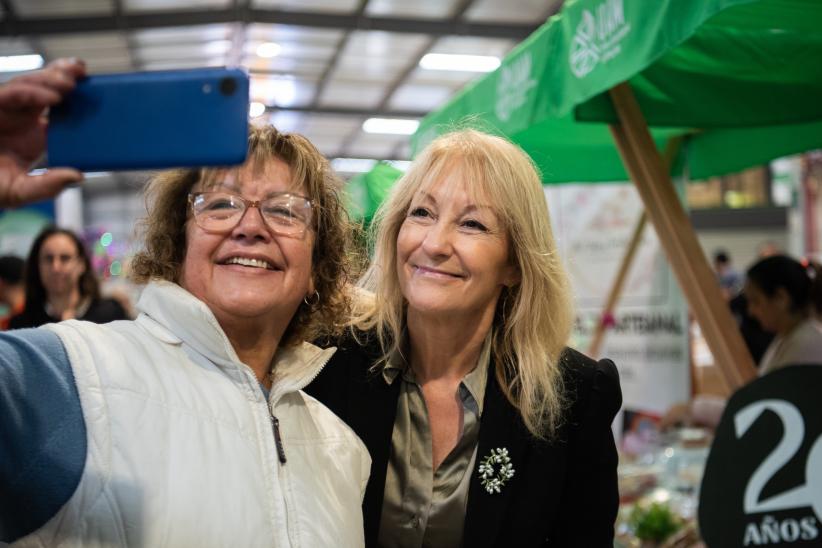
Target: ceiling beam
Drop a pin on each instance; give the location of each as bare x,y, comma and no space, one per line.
457,13
9,17
322,83
119,10
235,53
27,26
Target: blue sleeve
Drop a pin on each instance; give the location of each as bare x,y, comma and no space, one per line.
42,432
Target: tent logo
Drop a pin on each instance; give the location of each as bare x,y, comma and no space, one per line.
513,85
598,36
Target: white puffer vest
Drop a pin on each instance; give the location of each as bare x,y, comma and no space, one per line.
181,446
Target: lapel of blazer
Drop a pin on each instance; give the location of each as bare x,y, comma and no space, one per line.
500,427
372,407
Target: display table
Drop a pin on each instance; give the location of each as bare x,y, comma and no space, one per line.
659,490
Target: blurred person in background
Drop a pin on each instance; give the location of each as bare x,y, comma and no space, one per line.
12,289
785,296
61,284
730,280
756,338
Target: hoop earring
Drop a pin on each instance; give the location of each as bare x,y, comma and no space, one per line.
315,301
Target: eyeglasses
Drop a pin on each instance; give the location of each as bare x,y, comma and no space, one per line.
284,213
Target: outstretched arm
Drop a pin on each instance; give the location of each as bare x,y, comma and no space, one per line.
23,104
42,431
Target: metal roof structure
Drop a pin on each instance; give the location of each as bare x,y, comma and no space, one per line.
336,63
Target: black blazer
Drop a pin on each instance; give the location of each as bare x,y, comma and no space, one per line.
563,493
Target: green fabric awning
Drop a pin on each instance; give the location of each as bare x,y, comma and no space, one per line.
741,79
366,191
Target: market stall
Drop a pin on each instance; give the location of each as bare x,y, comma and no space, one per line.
737,81
603,88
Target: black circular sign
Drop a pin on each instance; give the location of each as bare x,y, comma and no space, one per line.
763,478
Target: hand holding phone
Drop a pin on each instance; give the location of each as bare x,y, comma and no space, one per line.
23,101
152,120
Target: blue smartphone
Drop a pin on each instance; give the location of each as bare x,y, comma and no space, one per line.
152,120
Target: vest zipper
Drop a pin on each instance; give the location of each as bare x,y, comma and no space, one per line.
275,423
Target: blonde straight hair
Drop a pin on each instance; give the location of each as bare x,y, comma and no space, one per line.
533,319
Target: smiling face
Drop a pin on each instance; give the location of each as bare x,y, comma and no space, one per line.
452,252
250,273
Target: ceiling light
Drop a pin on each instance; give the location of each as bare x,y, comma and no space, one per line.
218,47
402,165
17,63
255,109
391,126
280,91
287,121
352,165
86,175
466,63
268,49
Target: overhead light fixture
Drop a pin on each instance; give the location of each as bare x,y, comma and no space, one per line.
218,47
402,165
352,165
465,63
18,63
86,174
287,121
268,49
255,108
390,126
279,90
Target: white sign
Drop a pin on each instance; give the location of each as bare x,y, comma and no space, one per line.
648,340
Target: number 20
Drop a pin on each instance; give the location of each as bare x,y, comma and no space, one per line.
809,494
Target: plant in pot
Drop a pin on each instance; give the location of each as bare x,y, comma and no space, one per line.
653,523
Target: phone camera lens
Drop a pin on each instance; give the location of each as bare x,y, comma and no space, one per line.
228,86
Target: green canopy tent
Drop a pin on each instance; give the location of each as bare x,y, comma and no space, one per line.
738,81
366,191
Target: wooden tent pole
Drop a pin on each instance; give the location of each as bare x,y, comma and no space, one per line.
671,150
616,288
678,239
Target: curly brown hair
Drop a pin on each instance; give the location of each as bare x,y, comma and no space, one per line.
334,259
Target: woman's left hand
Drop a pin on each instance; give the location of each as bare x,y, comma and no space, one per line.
23,103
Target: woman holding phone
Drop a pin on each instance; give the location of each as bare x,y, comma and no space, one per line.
188,425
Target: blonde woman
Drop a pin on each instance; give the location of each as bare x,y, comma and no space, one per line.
484,429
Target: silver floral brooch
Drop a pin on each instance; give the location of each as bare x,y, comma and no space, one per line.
495,470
